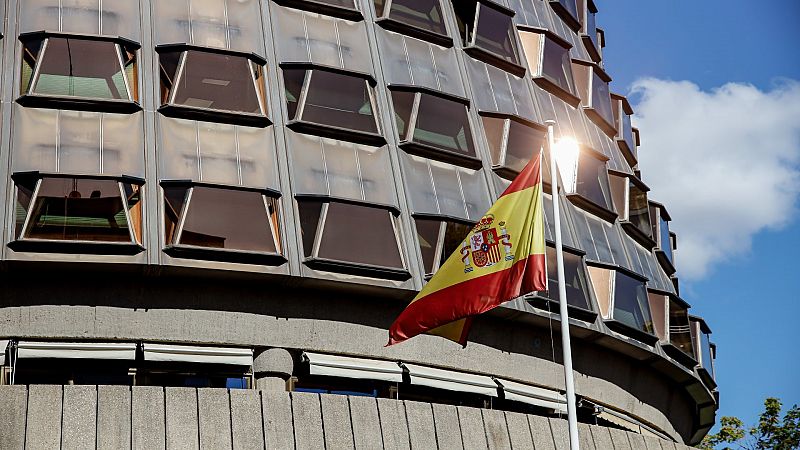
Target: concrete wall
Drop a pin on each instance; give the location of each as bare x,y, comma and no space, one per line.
118,417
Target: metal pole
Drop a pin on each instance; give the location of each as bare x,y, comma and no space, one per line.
572,418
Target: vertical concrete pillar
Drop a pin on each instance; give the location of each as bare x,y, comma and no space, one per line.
272,368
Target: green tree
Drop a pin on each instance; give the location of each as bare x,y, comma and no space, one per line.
771,433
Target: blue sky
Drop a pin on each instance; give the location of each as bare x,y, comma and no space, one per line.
726,66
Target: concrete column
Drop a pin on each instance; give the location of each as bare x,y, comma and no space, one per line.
272,368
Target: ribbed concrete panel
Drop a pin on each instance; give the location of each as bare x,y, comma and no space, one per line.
181,418
652,443
113,417
214,412
494,422
147,418
518,430
43,427
636,440
420,424
246,423
560,431
620,439
472,431
79,418
448,431
668,445
336,422
585,437
366,424
601,437
277,413
13,403
540,431
393,424
308,431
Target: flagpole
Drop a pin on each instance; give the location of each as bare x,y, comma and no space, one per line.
562,297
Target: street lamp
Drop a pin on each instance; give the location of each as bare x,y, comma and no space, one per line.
565,151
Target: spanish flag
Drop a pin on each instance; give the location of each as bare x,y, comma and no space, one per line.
502,257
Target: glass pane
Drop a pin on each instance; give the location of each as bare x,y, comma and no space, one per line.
428,236
592,180
679,332
339,100
631,305
638,209
24,195
706,350
601,98
571,7
370,229
174,199
234,220
577,286
454,235
443,124
133,197
403,102
217,81
424,14
465,18
523,143
309,211
494,129
80,68
495,34
79,209
666,245
556,65
293,85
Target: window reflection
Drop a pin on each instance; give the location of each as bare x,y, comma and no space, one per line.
576,284
420,14
679,329
488,28
631,305
512,142
438,239
638,209
592,180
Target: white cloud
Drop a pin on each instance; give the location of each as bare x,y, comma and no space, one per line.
726,163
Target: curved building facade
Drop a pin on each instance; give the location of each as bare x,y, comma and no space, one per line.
244,194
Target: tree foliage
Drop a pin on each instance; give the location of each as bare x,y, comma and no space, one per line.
771,433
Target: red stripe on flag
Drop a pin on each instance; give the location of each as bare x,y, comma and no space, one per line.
530,176
469,298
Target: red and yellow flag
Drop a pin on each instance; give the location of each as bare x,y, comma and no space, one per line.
502,257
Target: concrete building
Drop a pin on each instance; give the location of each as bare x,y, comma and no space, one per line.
209,203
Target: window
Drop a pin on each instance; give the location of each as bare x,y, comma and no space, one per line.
487,30
332,230
550,63
331,103
91,214
212,85
637,223
434,124
568,11
438,239
587,11
513,141
207,222
623,302
586,182
622,115
663,237
592,85
577,285
79,72
679,345
701,336
422,19
345,9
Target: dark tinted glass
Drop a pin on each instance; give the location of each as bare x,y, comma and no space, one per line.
339,100
705,348
638,209
79,68
174,199
574,277
221,218
79,209
359,234
424,14
556,65
216,81
571,6
666,242
592,180
428,236
601,99
679,331
310,211
591,27
443,124
631,305
465,17
627,131
24,195
293,86
349,4
403,102
495,34
523,143
454,234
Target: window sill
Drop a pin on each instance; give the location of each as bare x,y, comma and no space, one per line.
638,235
708,380
365,270
419,33
214,115
554,89
631,332
333,132
679,355
591,48
587,205
608,128
575,312
323,8
628,152
224,255
76,247
495,60
79,104
666,264
565,15
428,151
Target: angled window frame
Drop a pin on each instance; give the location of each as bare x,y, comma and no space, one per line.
605,212
624,138
639,235
444,220
173,247
587,95
473,49
659,217
176,110
548,301
701,334
540,78
563,8
28,98
409,145
500,166
314,261
325,8
34,179
332,131
677,306
386,21
588,32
